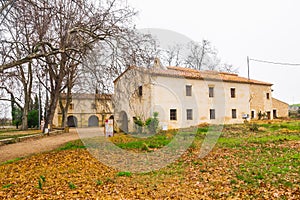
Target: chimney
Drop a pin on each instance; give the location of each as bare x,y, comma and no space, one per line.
157,64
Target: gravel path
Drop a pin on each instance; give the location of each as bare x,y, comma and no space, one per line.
33,146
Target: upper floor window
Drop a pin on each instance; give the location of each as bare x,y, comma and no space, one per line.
71,106
232,92
211,92
188,89
140,91
93,106
173,114
189,114
268,95
212,114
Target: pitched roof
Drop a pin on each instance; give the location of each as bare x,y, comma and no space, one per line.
214,75
188,73
274,99
87,96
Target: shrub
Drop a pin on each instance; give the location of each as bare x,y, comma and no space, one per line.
152,123
253,127
33,118
139,124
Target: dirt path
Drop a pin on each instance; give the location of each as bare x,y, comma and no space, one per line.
28,147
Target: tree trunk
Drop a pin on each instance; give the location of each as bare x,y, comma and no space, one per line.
64,113
24,125
51,109
27,86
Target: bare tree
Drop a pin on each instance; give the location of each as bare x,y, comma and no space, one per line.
79,27
200,55
18,43
105,63
228,68
172,55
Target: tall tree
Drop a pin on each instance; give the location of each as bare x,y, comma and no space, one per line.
18,43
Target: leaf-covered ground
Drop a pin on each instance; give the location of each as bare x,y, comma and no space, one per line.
262,164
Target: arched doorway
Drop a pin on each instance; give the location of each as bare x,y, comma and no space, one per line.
93,121
123,122
72,121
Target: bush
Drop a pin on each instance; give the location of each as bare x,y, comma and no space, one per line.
253,127
33,118
139,124
152,123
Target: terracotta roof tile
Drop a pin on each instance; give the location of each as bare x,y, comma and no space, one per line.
205,75
188,73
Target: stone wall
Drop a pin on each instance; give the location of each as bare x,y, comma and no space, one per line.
259,100
282,108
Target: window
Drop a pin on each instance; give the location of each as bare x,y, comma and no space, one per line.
93,106
232,92
189,114
211,92
140,91
212,114
188,89
252,114
233,112
173,114
268,95
71,106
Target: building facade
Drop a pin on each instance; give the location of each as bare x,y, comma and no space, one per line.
186,97
85,110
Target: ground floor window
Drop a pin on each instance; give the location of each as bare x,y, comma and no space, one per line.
212,114
173,114
189,114
233,112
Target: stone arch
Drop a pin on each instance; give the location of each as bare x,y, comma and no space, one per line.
72,121
93,121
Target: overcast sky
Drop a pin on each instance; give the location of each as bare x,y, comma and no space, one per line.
261,29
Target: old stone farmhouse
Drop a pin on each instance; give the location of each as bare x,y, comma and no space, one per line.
86,110
183,97
186,97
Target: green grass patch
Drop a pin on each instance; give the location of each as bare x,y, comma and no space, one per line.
14,136
273,138
128,174
202,130
76,144
7,186
99,182
72,185
292,125
8,130
156,141
273,165
11,161
244,142
230,142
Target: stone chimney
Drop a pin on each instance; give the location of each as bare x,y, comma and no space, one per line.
157,64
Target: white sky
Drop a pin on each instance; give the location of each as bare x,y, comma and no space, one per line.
261,29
